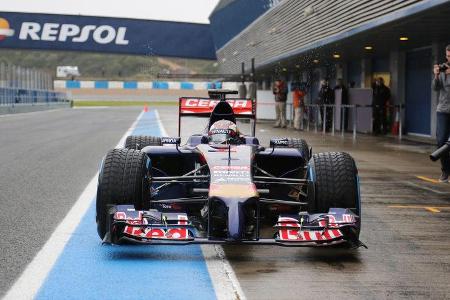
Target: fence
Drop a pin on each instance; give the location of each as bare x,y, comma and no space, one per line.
15,96
12,76
342,118
19,85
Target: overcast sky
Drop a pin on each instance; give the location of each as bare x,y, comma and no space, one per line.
169,10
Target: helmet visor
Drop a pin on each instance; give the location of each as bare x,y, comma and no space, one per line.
219,138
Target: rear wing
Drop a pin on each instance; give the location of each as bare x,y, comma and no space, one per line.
203,107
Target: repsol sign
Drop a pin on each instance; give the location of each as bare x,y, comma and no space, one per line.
103,34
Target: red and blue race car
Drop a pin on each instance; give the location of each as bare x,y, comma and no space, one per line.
223,187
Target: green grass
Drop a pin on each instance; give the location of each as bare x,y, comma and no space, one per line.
81,103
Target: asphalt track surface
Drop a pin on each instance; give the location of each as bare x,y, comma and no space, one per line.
48,158
46,161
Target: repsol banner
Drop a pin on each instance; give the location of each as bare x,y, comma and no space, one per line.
99,34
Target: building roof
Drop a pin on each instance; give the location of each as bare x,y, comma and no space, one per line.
286,33
222,4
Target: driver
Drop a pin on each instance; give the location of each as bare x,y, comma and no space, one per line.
223,132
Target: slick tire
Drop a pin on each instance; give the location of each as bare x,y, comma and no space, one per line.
139,142
333,182
301,145
124,179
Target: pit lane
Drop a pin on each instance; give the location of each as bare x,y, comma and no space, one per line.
408,255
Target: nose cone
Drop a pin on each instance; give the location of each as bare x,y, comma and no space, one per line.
235,220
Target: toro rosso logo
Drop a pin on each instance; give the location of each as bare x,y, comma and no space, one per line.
5,30
50,32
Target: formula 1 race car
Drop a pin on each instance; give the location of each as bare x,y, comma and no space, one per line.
223,187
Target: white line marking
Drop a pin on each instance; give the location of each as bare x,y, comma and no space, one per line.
223,278
161,127
32,278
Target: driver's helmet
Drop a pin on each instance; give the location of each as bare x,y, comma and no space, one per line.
223,132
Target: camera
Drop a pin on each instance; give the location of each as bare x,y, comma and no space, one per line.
443,67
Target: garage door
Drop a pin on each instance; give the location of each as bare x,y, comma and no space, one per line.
418,92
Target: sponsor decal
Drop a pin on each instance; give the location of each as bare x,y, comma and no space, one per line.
222,149
231,168
231,174
279,142
292,231
157,233
221,131
347,218
133,218
160,233
171,140
230,189
5,30
203,106
59,32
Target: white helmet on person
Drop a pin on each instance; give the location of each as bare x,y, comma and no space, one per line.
223,132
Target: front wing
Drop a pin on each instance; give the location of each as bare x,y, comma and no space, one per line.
153,227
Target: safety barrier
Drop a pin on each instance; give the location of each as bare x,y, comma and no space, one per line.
317,116
157,85
16,96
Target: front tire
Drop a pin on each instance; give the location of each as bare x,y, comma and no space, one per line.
334,182
124,179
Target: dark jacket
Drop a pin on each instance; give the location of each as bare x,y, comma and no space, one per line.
326,95
381,94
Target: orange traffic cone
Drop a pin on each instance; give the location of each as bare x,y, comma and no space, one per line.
145,107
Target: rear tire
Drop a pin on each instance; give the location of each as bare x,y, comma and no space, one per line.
301,145
139,142
334,182
124,179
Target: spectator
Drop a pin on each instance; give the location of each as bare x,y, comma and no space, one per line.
298,97
381,97
280,92
441,84
326,97
344,99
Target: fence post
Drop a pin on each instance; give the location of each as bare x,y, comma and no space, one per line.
355,116
309,117
332,120
400,123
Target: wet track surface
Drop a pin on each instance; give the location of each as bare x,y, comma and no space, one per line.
408,253
47,159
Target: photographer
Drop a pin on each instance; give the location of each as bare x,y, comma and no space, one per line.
441,84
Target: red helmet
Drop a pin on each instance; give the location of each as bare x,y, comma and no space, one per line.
223,132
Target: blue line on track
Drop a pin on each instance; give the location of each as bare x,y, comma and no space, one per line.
87,269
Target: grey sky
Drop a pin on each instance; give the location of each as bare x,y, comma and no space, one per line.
170,10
